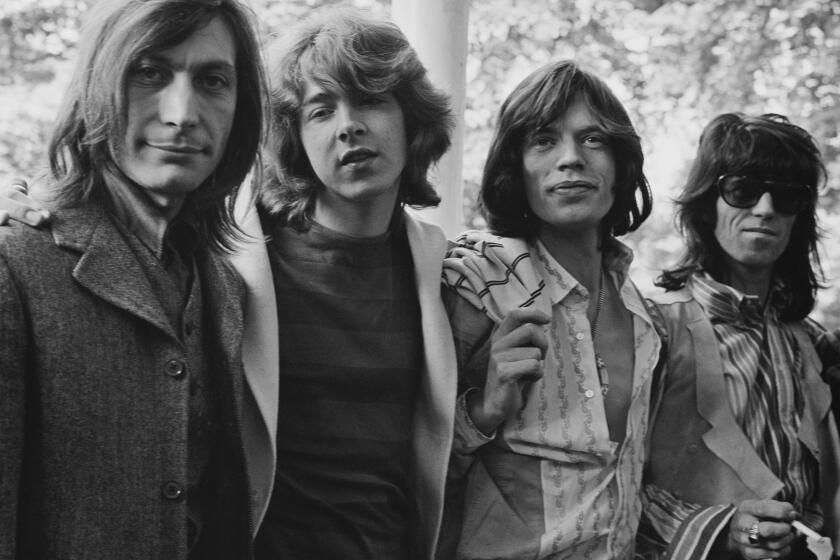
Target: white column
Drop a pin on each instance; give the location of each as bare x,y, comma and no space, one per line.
437,29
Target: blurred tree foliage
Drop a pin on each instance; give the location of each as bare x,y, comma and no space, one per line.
674,63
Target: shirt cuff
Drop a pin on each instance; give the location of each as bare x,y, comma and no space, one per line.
697,535
468,437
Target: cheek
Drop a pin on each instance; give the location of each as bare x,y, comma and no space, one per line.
530,178
224,112
309,142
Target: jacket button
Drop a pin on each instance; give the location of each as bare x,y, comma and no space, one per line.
692,449
175,368
172,490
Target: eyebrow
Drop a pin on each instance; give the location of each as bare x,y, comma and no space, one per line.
204,65
319,97
551,128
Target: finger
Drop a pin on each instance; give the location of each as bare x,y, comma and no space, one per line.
774,531
23,211
19,184
525,335
521,316
516,368
770,510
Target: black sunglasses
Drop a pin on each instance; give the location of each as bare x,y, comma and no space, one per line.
743,191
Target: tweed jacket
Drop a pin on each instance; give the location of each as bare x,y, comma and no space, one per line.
435,410
698,451
93,425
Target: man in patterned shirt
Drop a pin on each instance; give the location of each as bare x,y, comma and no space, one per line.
743,444
556,348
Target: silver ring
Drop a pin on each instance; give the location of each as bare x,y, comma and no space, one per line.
753,535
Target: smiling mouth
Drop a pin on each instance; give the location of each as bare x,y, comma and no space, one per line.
356,156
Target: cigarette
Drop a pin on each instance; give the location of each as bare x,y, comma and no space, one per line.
807,531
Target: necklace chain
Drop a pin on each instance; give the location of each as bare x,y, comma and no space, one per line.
602,296
601,366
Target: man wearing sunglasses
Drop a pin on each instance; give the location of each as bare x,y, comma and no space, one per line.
742,445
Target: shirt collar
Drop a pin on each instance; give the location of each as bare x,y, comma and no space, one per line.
559,283
725,304
137,217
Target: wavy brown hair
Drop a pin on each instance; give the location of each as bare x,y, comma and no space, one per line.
348,50
767,146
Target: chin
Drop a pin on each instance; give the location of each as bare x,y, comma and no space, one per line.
177,185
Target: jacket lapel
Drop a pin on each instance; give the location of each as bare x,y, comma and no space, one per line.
814,390
435,410
260,353
108,267
725,439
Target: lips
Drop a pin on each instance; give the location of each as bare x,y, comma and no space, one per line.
176,148
760,230
356,155
569,185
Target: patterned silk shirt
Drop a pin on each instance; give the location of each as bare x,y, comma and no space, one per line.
550,483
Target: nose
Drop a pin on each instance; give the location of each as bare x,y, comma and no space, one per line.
764,206
179,104
568,155
350,123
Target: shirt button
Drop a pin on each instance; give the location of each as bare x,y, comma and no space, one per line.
692,449
172,490
175,368
580,336
589,393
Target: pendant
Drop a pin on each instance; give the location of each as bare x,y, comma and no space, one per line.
603,375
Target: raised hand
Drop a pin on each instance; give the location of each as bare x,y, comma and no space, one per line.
518,346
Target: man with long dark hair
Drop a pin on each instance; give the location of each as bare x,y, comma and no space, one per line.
556,347
742,441
121,388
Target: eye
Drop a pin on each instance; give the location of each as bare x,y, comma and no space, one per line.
215,82
542,141
319,113
594,140
148,74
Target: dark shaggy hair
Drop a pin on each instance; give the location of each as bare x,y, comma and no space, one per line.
91,126
541,98
766,146
347,50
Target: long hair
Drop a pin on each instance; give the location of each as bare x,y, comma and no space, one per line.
350,51
91,126
538,100
767,146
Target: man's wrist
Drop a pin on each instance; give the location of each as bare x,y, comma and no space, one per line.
474,404
467,435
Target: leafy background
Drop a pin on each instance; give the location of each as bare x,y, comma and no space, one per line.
674,63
